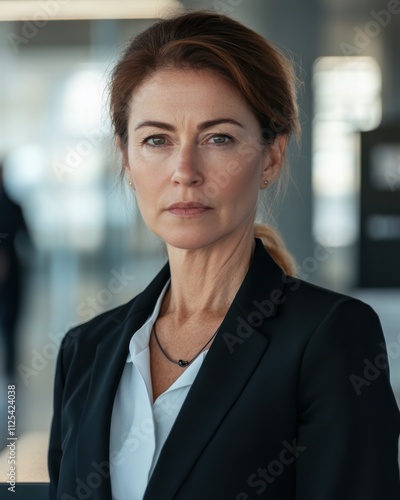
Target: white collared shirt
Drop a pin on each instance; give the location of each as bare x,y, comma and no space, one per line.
140,427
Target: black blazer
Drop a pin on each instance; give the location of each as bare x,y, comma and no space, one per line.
292,402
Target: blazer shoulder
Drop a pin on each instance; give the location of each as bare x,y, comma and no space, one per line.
110,324
91,332
308,289
319,302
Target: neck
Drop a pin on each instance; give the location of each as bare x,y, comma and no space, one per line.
206,280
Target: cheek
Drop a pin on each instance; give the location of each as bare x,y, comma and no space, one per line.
145,187
246,162
141,172
147,192
245,180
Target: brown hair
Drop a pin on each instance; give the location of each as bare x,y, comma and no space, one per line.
250,63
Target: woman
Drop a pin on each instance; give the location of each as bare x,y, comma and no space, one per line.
226,378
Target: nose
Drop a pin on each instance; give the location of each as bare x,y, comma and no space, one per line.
187,169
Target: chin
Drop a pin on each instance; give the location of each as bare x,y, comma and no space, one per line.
190,239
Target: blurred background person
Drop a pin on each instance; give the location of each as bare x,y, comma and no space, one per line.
12,222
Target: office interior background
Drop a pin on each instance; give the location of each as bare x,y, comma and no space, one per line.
86,249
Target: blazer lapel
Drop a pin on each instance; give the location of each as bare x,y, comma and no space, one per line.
233,357
92,451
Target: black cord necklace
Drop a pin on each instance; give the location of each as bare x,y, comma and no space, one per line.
181,362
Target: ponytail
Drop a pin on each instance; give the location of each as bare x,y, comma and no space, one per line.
273,242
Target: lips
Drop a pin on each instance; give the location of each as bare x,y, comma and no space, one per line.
188,209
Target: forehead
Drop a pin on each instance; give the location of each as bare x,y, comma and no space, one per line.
187,90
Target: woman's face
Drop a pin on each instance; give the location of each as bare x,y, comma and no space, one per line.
194,158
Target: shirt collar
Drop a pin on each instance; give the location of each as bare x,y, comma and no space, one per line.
140,340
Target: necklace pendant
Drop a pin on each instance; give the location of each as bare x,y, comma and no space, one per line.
183,363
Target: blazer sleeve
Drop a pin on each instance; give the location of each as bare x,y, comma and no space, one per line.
349,419
55,448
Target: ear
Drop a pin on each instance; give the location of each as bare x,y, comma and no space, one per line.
274,155
125,162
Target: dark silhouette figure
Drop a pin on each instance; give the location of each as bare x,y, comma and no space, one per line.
11,222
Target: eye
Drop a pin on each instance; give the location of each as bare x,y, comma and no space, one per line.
221,139
155,140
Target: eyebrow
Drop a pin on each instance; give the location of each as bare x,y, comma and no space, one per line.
200,127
